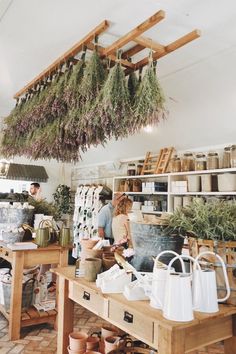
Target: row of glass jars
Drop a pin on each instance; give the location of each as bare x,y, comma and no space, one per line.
200,161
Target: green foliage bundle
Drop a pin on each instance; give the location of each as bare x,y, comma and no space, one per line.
62,198
43,207
214,221
67,113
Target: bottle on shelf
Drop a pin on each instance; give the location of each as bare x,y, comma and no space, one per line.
200,162
131,170
233,156
227,157
139,167
212,161
187,162
175,164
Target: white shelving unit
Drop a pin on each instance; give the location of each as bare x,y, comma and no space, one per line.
171,177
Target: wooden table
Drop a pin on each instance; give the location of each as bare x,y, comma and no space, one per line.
140,320
19,260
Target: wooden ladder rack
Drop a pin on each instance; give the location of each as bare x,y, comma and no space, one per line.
134,35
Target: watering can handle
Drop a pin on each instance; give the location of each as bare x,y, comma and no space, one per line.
176,256
180,257
224,272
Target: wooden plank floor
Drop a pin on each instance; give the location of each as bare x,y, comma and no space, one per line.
41,339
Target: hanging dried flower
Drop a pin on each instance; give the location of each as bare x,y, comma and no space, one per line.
149,101
112,113
133,84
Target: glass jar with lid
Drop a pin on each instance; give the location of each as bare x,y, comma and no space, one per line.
175,164
187,162
227,157
233,156
131,170
139,167
212,160
200,162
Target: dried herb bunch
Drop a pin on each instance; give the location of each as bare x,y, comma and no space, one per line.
149,101
215,221
80,106
112,112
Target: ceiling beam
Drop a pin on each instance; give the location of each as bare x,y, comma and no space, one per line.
64,57
170,47
137,31
132,51
149,43
112,57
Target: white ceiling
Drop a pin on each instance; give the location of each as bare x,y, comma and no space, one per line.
33,33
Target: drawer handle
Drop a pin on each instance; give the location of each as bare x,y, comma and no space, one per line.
86,296
128,317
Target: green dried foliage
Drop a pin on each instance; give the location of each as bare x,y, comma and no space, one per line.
112,112
133,85
62,199
214,221
43,207
149,101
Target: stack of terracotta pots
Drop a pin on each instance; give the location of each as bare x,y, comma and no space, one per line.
81,343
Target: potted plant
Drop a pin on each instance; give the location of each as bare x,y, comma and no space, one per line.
62,199
210,226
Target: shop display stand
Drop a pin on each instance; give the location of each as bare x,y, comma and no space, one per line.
173,177
19,260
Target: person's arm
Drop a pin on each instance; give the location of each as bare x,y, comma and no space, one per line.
101,223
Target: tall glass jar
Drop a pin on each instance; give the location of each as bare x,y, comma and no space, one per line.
227,157
131,170
200,162
187,162
212,161
175,164
139,167
233,156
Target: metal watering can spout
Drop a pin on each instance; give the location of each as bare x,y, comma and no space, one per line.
205,286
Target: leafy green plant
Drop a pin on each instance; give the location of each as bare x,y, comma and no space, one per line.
43,207
62,198
211,221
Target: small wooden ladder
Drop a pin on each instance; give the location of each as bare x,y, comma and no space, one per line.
164,158
155,164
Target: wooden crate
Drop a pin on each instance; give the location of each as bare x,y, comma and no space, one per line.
227,250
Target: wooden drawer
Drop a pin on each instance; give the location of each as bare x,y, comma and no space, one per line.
131,321
89,298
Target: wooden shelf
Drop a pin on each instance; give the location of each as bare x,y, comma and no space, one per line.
32,317
145,193
205,193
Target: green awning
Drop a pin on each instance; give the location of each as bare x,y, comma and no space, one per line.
27,173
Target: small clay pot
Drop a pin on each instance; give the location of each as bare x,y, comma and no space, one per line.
77,341
92,352
113,343
108,262
88,244
107,331
70,351
92,343
94,253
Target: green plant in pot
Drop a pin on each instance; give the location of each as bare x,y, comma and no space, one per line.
209,221
62,198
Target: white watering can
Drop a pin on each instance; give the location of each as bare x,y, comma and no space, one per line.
205,287
157,291
178,304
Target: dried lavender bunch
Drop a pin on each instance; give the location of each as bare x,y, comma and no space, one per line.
149,101
133,84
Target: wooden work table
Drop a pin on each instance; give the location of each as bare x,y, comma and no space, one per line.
21,259
140,320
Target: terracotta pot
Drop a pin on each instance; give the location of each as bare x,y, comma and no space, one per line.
108,262
92,343
77,341
113,343
107,254
75,351
107,248
88,244
108,331
92,352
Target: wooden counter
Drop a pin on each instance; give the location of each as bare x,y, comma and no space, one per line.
19,260
140,320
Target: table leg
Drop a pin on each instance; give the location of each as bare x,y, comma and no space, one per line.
16,295
65,316
171,341
63,257
230,344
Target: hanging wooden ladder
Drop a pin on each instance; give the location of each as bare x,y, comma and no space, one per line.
156,164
